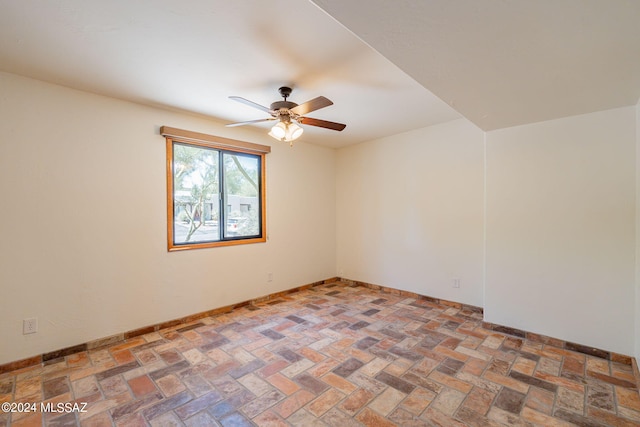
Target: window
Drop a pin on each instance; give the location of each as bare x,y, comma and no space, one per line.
215,190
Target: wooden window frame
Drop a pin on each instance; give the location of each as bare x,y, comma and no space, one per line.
217,143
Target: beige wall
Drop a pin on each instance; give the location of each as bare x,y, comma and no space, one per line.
83,221
637,289
410,211
561,228
556,253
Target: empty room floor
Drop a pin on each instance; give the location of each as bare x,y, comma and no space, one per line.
330,355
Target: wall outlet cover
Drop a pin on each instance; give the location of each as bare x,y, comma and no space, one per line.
30,326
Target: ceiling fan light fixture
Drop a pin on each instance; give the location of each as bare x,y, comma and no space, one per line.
286,132
295,131
279,131
289,115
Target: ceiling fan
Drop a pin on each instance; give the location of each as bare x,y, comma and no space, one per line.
289,113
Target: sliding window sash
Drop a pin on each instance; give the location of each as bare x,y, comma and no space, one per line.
217,143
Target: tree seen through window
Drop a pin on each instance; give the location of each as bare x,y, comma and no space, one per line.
204,179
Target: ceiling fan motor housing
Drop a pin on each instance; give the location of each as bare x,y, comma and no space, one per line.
281,108
285,92
283,104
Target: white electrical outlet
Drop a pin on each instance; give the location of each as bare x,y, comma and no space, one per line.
270,277
30,326
456,283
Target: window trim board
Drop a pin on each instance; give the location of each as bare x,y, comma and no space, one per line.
188,136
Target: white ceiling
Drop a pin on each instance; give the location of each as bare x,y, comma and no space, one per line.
498,63
503,63
192,55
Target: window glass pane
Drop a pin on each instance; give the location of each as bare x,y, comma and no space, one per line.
215,196
242,195
196,190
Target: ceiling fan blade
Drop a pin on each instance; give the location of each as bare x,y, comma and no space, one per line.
322,123
313,105
230,125
251,104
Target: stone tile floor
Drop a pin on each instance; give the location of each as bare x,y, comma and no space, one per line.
331,355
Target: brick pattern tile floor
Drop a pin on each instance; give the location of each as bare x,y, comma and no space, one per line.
332,355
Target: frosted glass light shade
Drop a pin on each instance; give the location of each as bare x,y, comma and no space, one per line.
294,131
279,131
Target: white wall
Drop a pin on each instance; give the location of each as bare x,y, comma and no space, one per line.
558,256
83,220
410,211
561,228
637,325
